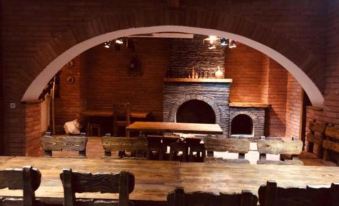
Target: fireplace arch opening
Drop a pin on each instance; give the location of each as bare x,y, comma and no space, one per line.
242,124
196,111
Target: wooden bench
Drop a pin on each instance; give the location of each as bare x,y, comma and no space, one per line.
285,148
331,142
52,143
133,144
180,198
74,182
272,195
315,137
234,145
27,179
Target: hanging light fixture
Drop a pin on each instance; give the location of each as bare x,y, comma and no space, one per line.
215,41
119,41
107,45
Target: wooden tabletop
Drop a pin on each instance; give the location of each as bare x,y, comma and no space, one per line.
110,113
175,127
155,179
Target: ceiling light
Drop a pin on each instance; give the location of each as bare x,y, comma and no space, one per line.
212,39
232,44
223,42
107,45
119,41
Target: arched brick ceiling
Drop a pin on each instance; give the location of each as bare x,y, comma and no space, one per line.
52,55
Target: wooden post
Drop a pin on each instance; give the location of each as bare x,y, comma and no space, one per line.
124,184
28,190
69,194
177,198
248,199
270,193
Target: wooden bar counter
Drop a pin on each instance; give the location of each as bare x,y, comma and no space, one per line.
155,179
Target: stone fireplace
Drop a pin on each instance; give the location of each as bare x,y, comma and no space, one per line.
195,96
247,120
207,101
196,111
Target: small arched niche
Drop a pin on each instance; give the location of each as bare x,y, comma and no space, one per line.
242,124
196,111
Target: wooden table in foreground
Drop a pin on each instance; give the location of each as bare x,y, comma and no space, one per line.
155,179
175,127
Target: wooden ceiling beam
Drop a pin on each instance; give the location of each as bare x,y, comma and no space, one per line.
173,3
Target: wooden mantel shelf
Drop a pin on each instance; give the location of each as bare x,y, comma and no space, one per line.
190,80
248,104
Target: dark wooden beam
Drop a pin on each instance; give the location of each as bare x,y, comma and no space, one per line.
173,3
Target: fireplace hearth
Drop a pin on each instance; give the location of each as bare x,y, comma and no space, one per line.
195,111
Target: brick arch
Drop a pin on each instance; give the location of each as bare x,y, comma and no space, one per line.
57,52
173,113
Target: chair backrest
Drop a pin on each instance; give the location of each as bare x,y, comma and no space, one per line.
180,198
272,195
227,145
75,182
124,143
27,179
122,112
316,132
279,146
76,143
331,142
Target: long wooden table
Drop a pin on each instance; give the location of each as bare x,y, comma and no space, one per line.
110,113
175,127
155,179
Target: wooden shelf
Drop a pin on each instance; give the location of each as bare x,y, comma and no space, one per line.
190,80
248,104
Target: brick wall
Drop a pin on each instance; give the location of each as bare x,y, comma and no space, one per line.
69,100
277,92
24,32
187,54
331,107
258,79
293,108
108,80
33,129
245,66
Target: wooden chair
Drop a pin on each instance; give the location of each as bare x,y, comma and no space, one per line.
94,128
272,195
331,142
52,143
197,150
137,145
180,198
27,179
74,182
155,148
315,137
167,140
234,145
284,148
176,148
121,118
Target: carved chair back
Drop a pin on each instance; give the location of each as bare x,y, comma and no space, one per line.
27,179
75,182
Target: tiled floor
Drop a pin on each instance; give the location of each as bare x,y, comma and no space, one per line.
95,150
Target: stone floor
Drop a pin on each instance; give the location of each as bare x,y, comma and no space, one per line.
95,150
